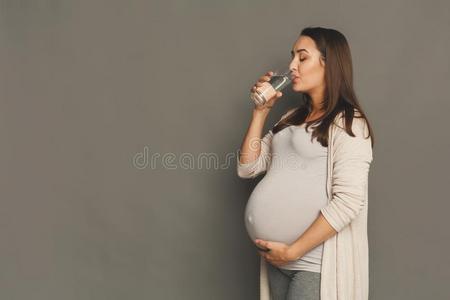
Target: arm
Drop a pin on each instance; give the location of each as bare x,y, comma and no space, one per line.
352,158
254,155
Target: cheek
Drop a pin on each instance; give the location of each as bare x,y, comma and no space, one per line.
312,74
306,70
307,67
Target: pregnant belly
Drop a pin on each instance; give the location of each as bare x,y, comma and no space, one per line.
281,210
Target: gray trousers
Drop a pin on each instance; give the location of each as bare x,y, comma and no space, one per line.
293,284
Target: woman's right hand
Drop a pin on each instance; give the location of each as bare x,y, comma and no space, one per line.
271,102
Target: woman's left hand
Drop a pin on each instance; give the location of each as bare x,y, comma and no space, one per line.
279,254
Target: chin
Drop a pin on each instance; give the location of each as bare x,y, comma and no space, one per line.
297,88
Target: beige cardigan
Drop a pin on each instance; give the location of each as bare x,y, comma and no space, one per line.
345,260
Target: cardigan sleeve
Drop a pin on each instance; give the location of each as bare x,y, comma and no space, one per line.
259,165
351,162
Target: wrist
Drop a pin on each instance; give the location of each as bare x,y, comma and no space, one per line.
293,253
260,112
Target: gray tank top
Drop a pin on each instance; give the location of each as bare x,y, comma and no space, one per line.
289,197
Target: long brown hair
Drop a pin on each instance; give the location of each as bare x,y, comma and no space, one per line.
339,93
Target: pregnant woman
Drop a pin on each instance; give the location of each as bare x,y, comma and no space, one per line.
308,214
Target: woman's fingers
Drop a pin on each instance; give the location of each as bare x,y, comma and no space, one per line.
263,79
266,77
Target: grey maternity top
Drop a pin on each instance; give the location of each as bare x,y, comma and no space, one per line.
290,195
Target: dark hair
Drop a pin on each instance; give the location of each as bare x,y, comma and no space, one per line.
339,93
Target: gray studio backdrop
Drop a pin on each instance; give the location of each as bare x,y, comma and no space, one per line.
107,109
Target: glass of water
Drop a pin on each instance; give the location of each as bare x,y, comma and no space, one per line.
268,89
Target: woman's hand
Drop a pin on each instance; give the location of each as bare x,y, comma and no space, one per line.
279,254
270,102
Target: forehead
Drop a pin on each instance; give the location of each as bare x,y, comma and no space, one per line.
305,42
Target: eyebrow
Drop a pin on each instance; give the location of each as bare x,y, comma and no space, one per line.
298,51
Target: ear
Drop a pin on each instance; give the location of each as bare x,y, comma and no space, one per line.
322,60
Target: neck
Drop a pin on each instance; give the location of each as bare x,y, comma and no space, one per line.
317,96
316,104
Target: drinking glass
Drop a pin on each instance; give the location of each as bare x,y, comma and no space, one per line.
268,89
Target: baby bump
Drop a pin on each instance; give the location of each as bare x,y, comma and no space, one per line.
281,210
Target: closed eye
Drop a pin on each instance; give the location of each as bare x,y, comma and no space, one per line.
300,59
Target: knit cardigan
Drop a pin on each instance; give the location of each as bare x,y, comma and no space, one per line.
345,256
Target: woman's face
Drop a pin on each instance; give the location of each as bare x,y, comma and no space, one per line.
307,66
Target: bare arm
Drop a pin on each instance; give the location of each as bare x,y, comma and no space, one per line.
251,146
319,231
254,153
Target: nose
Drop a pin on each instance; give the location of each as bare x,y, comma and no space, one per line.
292,67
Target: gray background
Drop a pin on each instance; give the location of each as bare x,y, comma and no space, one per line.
88,86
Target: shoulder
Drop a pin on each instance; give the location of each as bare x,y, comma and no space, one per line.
346,145
359,124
